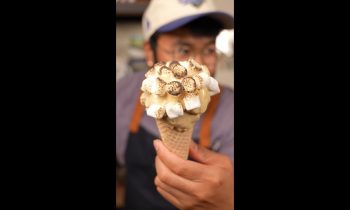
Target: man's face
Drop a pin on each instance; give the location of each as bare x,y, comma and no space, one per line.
181,45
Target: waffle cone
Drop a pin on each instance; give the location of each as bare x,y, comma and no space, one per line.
176,141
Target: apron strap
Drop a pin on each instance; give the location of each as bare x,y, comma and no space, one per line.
137,116
205,128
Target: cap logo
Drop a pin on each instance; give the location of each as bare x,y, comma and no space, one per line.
146,24
196,3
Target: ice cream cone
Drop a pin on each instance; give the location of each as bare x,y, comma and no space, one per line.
175,140
175,94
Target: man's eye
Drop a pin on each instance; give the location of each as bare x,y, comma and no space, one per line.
209,51
183,51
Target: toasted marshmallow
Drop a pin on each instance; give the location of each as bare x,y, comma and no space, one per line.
156,86
199,81
178,70
174,88
164,70
191,101
205,78
144,86
189,84
156,111
148,83
173,110
150,73
194,65
166,74
184,64
158,66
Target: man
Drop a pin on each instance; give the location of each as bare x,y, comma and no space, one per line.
156,178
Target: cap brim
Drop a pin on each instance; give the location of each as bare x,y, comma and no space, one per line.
225,19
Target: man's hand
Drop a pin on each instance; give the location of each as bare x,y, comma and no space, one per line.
206,183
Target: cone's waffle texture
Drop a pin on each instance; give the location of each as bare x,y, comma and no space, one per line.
176,141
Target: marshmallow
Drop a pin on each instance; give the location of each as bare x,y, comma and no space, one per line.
156,111
144,86
189,84
150,73
191,101
213,86
156,86
173,110
174,88
199,81
184,64
194,65
166,74
205,78
158,66
178,70
165,71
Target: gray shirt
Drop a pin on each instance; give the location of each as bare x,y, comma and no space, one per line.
128,92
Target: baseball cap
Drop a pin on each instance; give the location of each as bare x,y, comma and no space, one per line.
167,15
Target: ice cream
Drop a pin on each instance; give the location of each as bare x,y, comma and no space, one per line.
176,93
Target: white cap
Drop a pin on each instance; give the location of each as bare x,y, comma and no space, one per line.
167,15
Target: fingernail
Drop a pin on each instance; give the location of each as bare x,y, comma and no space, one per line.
155,144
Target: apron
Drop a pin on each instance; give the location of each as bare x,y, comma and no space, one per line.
140,191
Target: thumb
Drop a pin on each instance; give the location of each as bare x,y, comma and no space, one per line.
202,154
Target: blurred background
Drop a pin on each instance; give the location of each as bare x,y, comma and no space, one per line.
130,56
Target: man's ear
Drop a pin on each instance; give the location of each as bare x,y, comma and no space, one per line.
148,54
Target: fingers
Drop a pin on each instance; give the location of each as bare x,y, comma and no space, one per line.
171,194
184,168
206,156
195,154
201,154
173,180
178,198
169,197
